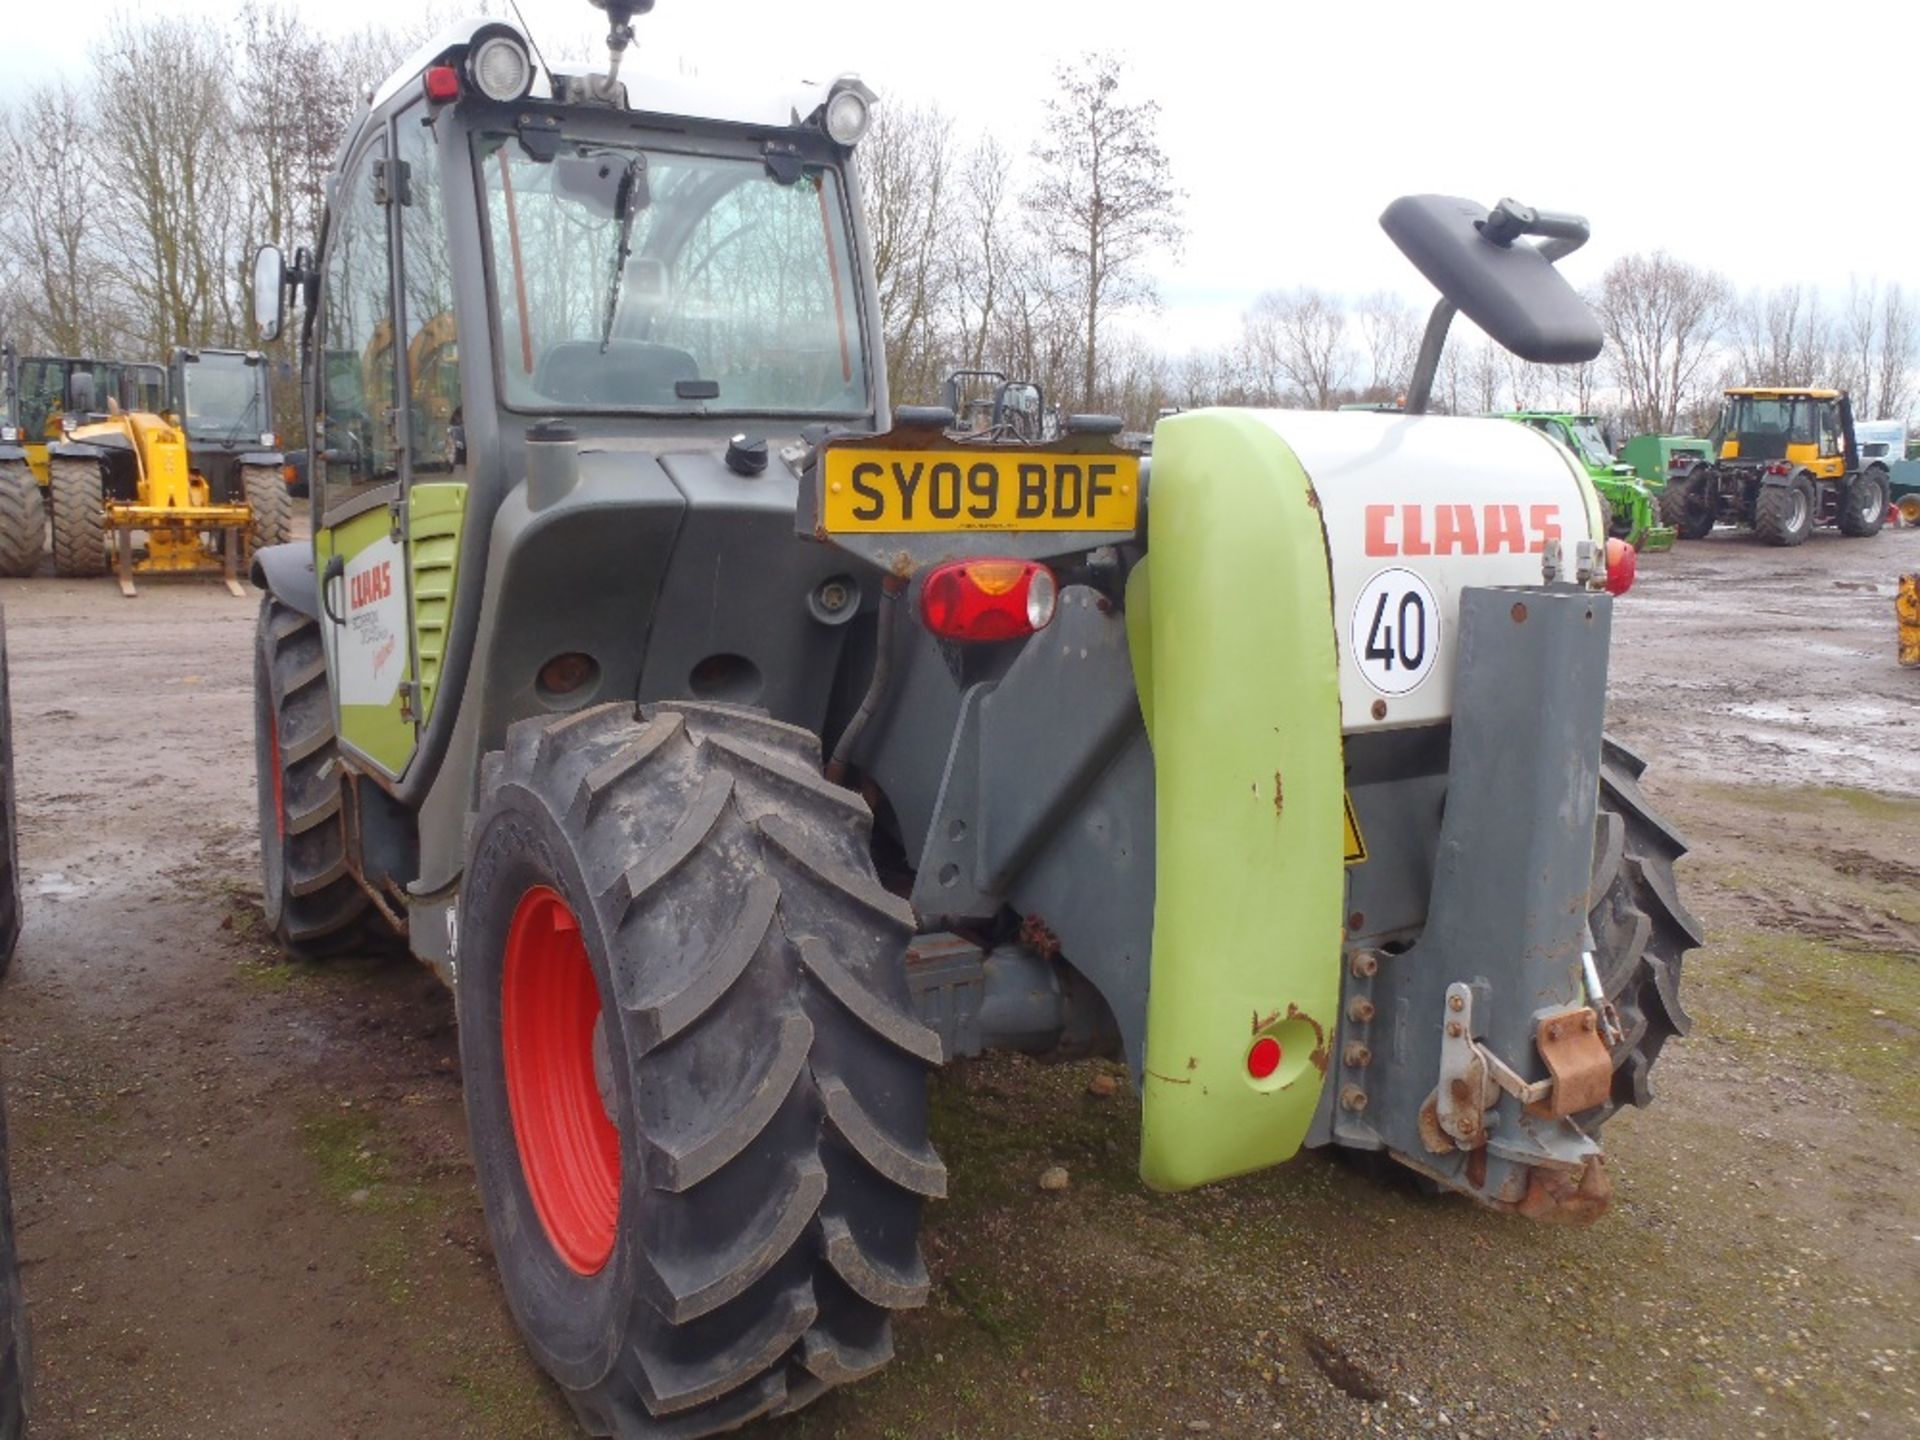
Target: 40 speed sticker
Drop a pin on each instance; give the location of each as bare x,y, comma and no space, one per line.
1395,631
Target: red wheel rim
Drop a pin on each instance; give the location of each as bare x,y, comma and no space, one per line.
279,787
569,1149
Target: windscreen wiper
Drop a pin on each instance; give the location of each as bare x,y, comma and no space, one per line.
631,199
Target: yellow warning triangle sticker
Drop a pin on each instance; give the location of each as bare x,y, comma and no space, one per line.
1356,847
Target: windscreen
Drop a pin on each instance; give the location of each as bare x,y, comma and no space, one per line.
1590,442
640,279
1785,420
222,400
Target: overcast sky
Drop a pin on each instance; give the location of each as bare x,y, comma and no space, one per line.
1681,125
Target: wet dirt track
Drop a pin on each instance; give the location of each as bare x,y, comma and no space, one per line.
247,1209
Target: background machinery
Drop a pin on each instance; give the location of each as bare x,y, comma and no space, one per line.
1633,498
1785,460
223,403
739,747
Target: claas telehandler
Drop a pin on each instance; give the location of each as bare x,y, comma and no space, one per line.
739,747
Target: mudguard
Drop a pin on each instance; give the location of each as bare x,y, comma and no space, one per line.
286,573
261,457
1230,622
12,452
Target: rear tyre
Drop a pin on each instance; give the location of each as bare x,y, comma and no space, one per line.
269,503
312,902
1687,505
1863,509
79,518
1641,930
16,1364
696,1091
10,840
23,520
1783,514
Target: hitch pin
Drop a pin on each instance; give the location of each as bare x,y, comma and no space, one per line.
1609,1017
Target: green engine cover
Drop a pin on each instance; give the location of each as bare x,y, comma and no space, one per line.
1232,635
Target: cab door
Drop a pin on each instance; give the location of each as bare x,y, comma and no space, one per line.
355,461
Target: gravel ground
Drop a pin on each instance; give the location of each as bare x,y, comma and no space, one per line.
247,1211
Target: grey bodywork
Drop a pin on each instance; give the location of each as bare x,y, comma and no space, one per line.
1023,820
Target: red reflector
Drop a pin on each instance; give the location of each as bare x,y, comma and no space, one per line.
1622,564
987,599
442,84
1264,1058
1777,468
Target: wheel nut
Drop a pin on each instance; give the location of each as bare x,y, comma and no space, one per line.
1352,1097
1360,1010
1366,965
1357,1055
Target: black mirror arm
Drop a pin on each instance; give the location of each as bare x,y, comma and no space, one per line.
1420,388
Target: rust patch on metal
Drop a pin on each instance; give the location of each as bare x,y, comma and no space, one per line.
1379,709
1477,1167
1578,1060
1431,1135
1558,1198
1322,1054
1260,1023
1279,795
1037,937
1170,1079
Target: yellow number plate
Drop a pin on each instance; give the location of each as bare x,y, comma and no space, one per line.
896,491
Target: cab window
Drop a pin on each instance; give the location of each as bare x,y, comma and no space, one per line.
355,436
435,429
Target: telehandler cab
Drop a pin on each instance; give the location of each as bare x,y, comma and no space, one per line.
607,691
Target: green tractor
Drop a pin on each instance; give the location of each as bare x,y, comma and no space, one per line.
740,747
1633,499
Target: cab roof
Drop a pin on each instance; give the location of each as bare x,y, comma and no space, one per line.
1783,392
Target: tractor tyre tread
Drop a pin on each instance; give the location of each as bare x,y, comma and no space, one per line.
79,518
1678,507
1773,512
23,520
313,904
1642,930
10,913
269,506
1862,515
774,1089
16,1362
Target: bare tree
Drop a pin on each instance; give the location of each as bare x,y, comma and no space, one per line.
1898,352
1104,198
1390,331
904,166
1661,317
53,189
1294,344
1783,338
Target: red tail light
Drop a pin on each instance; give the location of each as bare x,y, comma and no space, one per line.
988,599
442,83
1623,562
1778,468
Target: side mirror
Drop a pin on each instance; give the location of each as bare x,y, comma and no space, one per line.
269,291
1477,259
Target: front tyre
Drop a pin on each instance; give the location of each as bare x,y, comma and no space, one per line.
696,1092
23,520
269,506
1863,509
79,518
312,902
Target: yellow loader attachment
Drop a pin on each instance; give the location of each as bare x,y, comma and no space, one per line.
187,534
